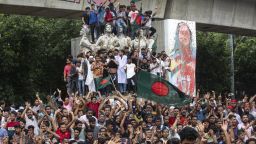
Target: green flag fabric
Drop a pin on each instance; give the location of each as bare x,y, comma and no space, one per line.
134,1
102,82
155,88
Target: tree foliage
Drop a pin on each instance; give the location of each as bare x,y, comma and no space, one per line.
213,63
245,64
32,54
212,70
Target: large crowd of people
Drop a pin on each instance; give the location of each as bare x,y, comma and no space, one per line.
85,113
117,15
119,119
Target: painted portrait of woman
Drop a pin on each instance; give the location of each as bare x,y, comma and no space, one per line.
183,60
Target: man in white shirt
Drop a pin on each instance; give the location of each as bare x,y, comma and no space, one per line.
80,82
121,74
30,119
245,125
130,74
147,22
159,69
36,108
154,67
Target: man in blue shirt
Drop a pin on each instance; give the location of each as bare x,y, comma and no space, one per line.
93,21
3,134
86,15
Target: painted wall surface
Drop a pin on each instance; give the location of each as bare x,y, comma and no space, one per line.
180,45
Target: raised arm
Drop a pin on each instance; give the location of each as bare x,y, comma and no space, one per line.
24,112
224,127
53,133
102,103
57,112
73,120
252,98
176,122
122,123
54,124
88,97
100,97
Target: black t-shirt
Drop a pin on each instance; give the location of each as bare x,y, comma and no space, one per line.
144,66
73,72
112,64
135,61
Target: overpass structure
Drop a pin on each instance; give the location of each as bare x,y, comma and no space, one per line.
226,16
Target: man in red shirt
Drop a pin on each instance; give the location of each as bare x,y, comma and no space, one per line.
11,123
66,73
94,104
67,69
173,116
63,133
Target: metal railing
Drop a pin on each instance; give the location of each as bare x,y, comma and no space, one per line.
73,1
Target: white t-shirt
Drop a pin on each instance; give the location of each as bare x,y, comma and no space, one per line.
133,15
154,71
130,70
121,14
84,119
249,130
149,22
36,108
80,75
159,69
33,122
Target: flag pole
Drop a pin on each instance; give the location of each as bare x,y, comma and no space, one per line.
112,82
118,93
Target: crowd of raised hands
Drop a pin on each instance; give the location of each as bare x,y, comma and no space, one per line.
114,119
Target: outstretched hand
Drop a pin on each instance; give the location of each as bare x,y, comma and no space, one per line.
224,125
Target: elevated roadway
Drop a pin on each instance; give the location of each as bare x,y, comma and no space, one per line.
226,16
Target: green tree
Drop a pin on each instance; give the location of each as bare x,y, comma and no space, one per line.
212,69
245,64
32,54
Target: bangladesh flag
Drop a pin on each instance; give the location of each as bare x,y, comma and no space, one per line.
102,82
155,88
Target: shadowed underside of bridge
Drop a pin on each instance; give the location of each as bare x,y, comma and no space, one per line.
226,16
44,8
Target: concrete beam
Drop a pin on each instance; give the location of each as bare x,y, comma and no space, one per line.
228,16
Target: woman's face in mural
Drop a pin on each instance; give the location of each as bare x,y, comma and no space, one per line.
184,36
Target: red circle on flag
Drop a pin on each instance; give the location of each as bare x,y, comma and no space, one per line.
103,82
160,89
